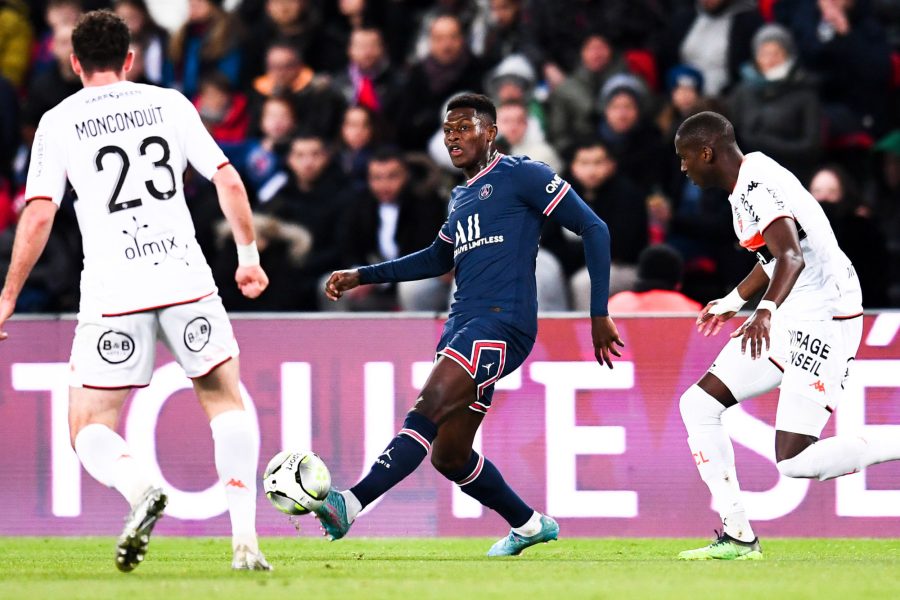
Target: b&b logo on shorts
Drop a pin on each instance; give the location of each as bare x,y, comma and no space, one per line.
196,334
115,347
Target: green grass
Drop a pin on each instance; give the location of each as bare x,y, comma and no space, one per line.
410,569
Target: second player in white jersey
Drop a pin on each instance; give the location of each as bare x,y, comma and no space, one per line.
827,286
124,148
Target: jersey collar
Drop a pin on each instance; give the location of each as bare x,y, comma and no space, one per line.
486,170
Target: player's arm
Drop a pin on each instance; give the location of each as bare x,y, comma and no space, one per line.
208,159
32,234
573,214
783,242
432,261
250,277
716,312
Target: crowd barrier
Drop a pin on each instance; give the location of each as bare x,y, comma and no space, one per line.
604,451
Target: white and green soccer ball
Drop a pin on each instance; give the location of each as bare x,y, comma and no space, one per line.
296,482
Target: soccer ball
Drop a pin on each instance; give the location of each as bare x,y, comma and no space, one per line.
296,482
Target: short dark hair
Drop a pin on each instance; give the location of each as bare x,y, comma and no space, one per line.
705,129
388,154
660,267
100,41
482,105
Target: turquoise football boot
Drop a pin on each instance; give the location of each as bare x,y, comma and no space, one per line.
513,544
332,516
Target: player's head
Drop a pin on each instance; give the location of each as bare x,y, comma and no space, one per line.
100,42
470,129
705,144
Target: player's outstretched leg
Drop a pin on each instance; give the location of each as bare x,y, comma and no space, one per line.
400,458
725,547
132,544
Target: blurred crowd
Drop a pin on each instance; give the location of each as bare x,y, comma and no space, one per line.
332,109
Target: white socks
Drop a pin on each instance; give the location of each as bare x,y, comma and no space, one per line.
105,456
714,457
237,453
841,455
531,527
351,504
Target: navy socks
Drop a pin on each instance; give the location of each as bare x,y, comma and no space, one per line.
481,480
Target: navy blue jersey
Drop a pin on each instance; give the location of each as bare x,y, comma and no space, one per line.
491,237
494,227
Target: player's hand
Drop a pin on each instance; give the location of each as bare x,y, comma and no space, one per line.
251,280
605,337
710,321
754,332
340,282
6,310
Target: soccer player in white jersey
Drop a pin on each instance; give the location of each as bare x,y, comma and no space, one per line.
123,147
802,336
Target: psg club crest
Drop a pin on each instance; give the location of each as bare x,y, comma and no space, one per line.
485,192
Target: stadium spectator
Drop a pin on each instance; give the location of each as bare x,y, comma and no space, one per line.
714,37
775,107
56,14
572,105
358,138
316,198
150,39
884,195
684,88
594,175
15,41
559,29
506,34
631,136
449,67
208,41
834,39
261,160
468,14
317,106
300,23
657,289
514,130
222,110
389,220
514,80
856,231
51,86
369,80
283,248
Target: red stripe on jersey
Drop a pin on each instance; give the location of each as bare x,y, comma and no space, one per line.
27,200
444,237
227,162
117,387
485,170
846,317
557,199
754,243
139,310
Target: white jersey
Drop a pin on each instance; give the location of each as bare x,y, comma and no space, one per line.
124,148
765,192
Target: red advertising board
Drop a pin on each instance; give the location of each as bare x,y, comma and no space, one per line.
603,451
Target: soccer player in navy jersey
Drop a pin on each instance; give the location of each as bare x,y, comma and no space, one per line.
491,238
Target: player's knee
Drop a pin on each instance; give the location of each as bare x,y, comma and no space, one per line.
698,408
449,463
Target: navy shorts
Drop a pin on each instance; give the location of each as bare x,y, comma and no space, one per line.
488,349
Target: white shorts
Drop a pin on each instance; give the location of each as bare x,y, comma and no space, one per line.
119,352
810,360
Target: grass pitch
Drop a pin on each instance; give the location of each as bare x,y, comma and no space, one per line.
410,569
